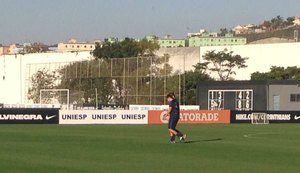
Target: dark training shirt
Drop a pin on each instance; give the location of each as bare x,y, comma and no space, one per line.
175,107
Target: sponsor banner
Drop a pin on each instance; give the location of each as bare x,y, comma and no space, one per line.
273,116
102,117
28,116
161,107
101,107
193,117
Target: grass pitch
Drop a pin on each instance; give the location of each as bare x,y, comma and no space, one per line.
143,149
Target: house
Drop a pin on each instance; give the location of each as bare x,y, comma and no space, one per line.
74,46
297,21
244,29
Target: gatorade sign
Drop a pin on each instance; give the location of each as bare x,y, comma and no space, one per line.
192,117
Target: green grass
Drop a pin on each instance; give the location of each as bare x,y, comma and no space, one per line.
102,148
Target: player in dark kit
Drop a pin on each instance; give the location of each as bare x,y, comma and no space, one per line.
174,116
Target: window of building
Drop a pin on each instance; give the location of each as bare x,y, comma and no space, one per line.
295,98
212,40
66,46
235,40
174,42
84,46
73,46
78,46
170,42
276,103
162,42
91,46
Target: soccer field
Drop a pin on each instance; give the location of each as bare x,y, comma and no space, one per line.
145,148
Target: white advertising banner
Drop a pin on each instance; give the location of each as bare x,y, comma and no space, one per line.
161,107
103,117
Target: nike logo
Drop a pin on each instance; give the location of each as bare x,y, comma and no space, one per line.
50,117
297,117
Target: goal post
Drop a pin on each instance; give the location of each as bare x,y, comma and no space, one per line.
55,97
259,118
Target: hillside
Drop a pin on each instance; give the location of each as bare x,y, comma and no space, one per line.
283,34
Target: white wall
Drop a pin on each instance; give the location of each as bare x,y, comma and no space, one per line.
13,68
181,58
262,56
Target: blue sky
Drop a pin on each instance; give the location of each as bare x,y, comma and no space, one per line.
52,21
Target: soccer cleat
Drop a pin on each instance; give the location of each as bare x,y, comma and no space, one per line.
183,138
172,142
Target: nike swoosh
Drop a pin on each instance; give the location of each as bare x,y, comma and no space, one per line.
297,117
50,117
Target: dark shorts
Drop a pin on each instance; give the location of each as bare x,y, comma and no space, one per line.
173,122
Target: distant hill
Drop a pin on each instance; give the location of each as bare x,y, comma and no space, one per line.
272,40
283,34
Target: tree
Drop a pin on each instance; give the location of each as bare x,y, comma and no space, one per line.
223,32
290,21
117,79
192,78
266,25
36,48
277,23
278,73
148,47
126,48
42,79
223,63
80,78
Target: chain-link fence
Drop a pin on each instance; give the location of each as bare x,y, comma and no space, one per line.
123,81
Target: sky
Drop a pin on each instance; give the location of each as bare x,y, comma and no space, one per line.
53,21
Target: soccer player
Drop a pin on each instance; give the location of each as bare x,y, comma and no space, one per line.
174,116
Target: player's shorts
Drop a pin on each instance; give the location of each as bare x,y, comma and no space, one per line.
173,122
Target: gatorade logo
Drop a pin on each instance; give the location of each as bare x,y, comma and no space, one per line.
163,118
192,117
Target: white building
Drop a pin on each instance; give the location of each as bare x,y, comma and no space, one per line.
297,21
74,46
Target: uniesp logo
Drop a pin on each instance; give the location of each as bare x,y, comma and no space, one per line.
20,117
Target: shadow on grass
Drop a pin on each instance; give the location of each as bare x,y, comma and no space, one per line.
205,140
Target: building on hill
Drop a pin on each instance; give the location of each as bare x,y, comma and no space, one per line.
245,29
74,46
206,40
11,49
4,50
297,21
201,33
169,42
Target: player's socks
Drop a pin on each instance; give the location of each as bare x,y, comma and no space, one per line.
179,134
172,138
